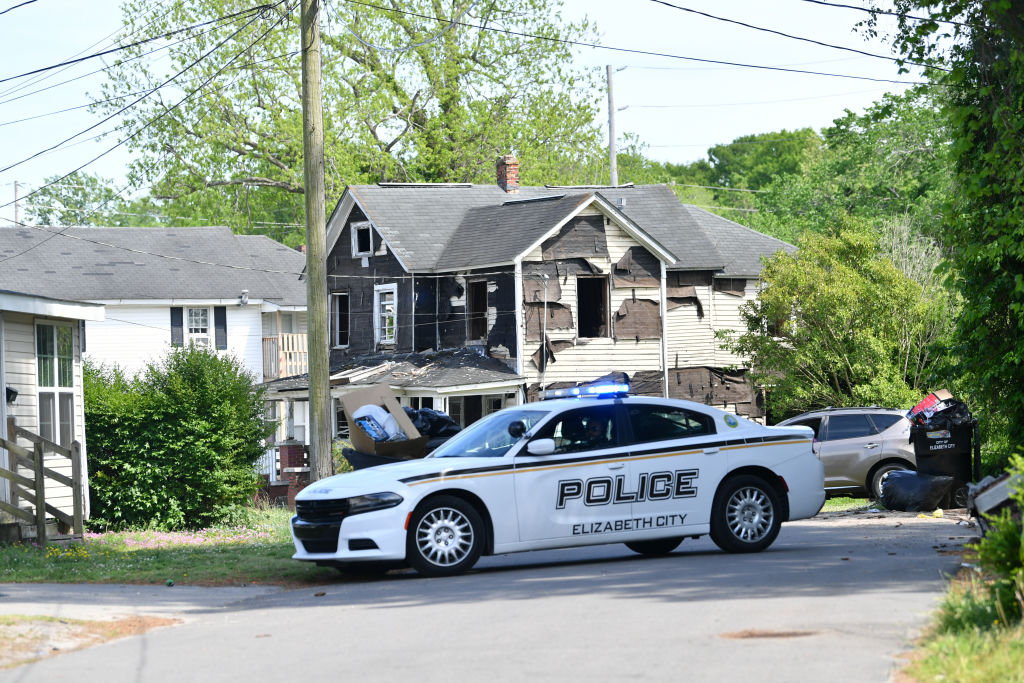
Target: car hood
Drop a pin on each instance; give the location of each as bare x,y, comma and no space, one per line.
383,477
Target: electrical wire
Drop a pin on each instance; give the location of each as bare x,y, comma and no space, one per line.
27,2
900,15
149,123
889,58
578,43
412,46
744,104
129,106
258,9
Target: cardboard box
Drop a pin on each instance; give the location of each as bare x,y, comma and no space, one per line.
380,394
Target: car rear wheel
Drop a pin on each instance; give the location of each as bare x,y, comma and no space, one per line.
745,516
446,536
879,476
657,546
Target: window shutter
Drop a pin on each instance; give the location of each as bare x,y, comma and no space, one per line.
81,336
220,327
177,327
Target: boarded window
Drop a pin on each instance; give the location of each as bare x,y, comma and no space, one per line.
582,237
731,286
540,317
638,319
637,268
592,305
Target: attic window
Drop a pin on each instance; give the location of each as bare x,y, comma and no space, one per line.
592,304
362,239
476,298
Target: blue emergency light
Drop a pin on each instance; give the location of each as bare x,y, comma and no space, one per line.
615,390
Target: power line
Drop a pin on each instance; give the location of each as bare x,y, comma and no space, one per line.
717,187
165,112
900,15
257,9
566,41
27,2
889,58
129,106
411,46
743,104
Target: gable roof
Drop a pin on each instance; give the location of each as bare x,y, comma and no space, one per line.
103,264
446,227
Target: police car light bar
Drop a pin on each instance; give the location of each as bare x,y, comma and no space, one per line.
593,390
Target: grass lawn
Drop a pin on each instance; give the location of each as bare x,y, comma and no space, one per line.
257,553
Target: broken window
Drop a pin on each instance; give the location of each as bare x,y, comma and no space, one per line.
339,319
476,309
385,306
362,242
592,305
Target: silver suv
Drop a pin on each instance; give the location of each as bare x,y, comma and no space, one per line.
859,446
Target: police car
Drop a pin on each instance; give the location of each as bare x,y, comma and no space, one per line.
597,467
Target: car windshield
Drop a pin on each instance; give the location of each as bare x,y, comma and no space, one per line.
489,437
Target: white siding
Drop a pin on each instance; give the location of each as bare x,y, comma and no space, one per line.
132,336
691,339
727,317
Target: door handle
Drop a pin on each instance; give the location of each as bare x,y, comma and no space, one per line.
871,445
711,451
616,466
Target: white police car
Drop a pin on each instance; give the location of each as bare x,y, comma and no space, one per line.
647,472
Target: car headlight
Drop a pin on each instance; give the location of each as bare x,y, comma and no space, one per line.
373,501
336,509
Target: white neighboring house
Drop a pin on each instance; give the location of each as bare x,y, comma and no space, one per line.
238,294
41,375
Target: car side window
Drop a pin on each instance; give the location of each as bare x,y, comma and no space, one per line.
652,422
885,420
812,422
582,429
848,427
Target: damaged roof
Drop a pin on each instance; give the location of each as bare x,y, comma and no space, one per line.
103,264
440,227
457,367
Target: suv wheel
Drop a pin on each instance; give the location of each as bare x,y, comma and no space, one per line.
878,478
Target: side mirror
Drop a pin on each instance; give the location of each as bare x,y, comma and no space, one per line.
541,447
517,429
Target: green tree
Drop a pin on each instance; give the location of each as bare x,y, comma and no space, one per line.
838,324
88,199
890,161
982,229
175,447
439,101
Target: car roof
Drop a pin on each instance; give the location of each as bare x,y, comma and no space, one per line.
849,409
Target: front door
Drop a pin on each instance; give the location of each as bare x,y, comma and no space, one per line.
578,488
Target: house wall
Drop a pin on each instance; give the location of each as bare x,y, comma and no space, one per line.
727,317
348,274
442,313
691,331
132,336
21,374
584,359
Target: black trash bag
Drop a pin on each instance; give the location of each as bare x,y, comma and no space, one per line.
432,423
912,492
360,460
957,415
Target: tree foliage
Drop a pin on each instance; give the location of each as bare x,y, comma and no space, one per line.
983,229
410,94
175,447
837,324
87,199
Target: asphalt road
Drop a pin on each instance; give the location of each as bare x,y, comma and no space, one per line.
837,598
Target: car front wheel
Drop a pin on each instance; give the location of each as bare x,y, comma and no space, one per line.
745,515
445,537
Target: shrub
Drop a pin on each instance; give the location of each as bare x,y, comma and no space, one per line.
175,447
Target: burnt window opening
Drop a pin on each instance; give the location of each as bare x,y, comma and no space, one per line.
592,304
339,319
476,309
362,242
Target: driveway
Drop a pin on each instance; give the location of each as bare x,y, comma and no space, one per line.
840,596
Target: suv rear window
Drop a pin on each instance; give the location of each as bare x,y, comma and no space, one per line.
885,420
848,427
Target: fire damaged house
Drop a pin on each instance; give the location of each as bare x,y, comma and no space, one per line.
497,291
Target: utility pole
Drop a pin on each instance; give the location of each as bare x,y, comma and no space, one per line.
611,128
320,461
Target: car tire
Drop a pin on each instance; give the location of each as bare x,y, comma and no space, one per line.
878,477
655,547
746,515
445,537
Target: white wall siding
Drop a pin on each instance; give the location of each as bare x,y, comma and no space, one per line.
727,317
691,338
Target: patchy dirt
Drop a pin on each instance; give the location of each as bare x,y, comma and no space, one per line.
25,639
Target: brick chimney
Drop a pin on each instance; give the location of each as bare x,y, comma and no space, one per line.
508,173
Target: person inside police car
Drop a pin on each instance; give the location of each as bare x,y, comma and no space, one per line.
596,435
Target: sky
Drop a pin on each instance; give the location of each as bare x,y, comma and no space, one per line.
678,108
